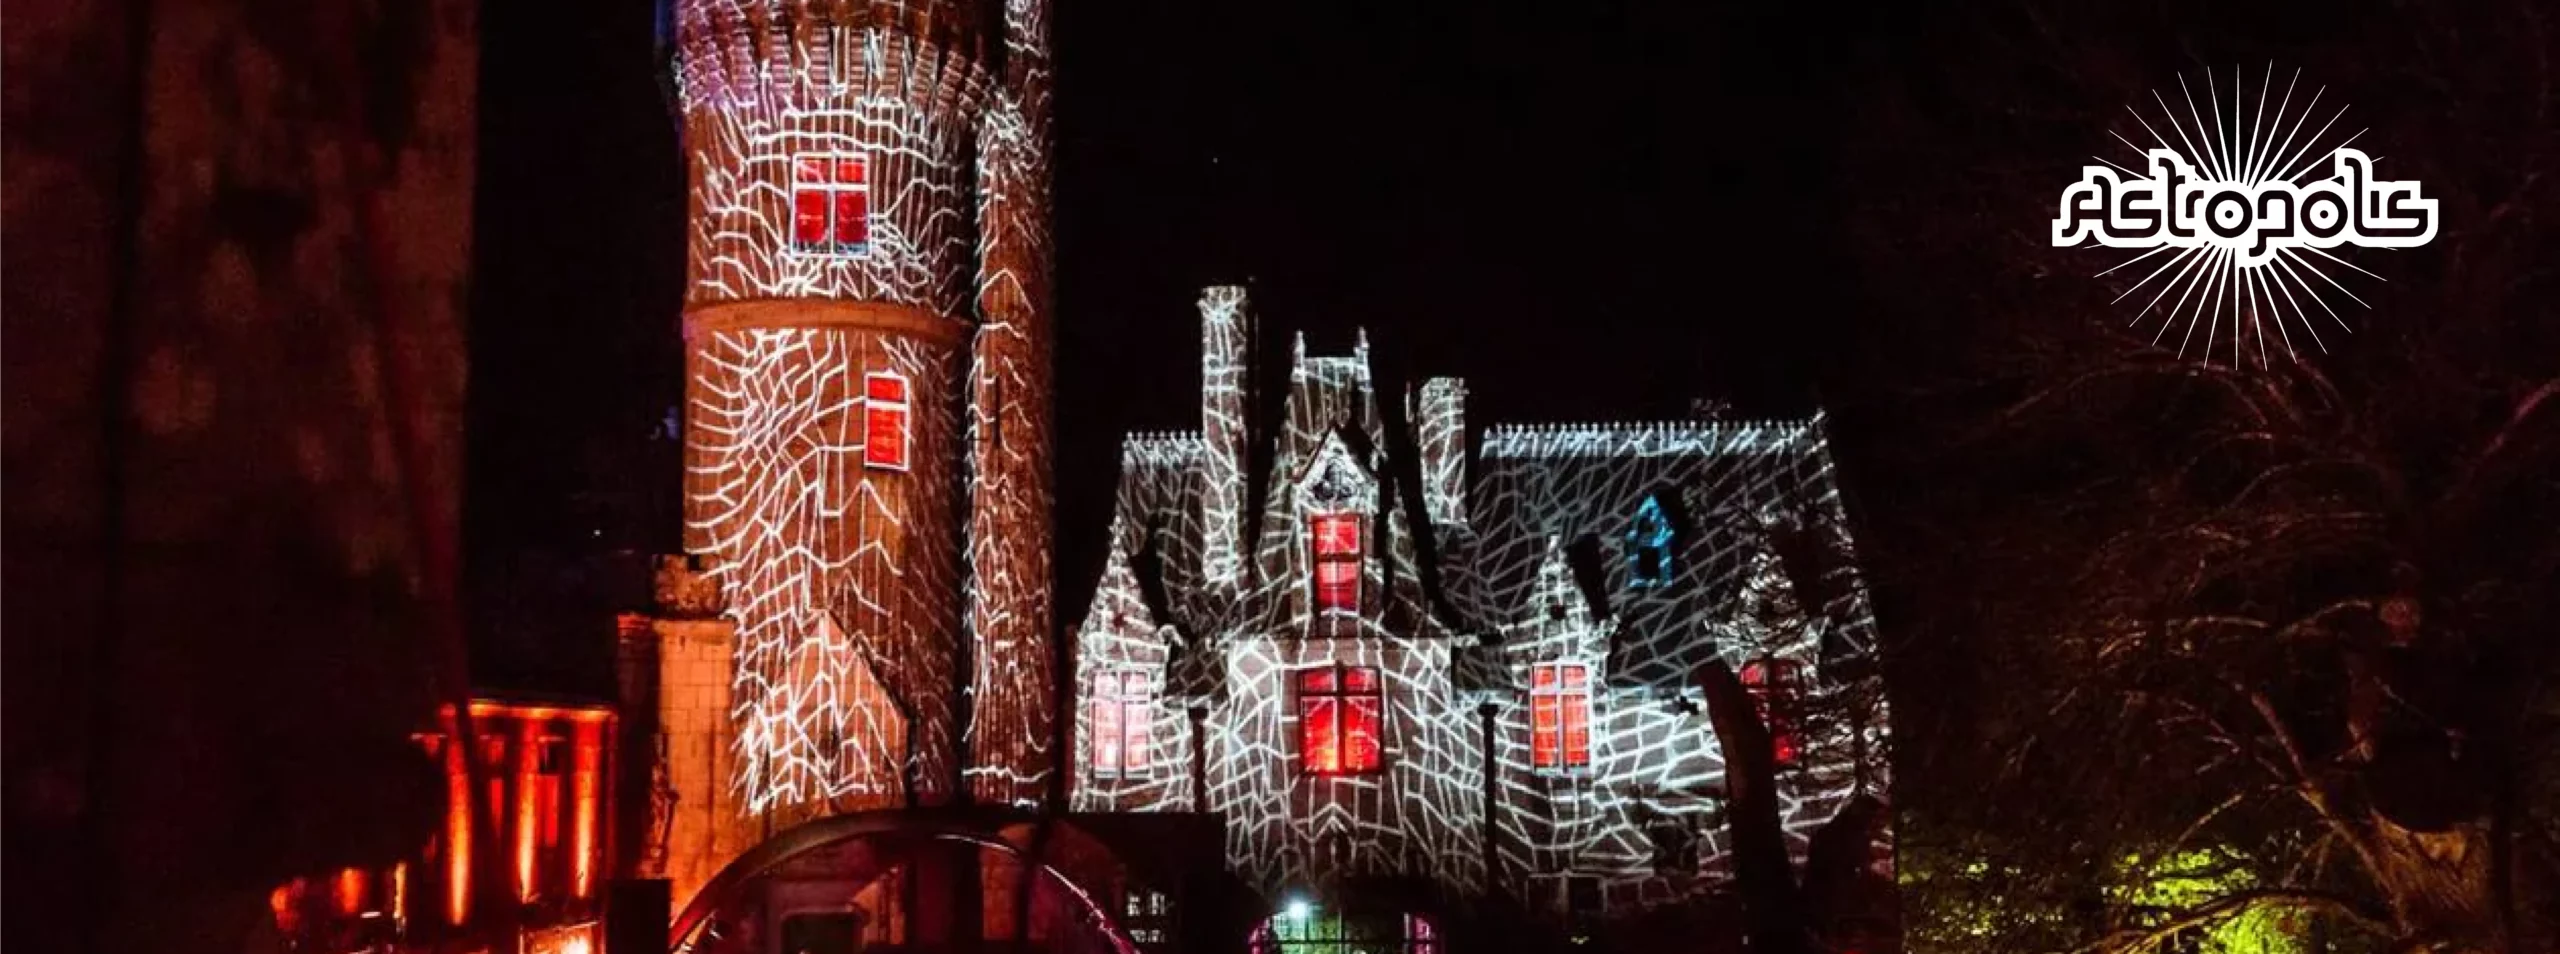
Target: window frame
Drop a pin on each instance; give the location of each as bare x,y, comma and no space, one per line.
831,187
1558,757
1318,559
875,408
1343,697
1112,690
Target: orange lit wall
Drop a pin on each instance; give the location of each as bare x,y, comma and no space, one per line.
350,891
547,868
457,827
521,828
587,808
527,825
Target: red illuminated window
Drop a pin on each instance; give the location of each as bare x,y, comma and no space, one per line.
1340,711
1337,557
1775,684
1119,704
831,203
884,420
1560,715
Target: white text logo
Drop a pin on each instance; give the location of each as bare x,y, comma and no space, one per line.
2247,224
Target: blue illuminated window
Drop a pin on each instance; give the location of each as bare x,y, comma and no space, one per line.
1649,546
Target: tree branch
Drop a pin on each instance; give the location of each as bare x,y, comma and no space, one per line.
2363,913
2309,786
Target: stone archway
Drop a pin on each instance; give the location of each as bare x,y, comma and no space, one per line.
878,839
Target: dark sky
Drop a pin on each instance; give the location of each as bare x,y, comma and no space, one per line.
1589,212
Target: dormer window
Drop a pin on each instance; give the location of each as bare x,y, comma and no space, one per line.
1336,546
1560,716
831,203
1649,562
1120,703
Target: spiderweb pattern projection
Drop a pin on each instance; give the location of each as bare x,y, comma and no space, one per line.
1658,774
760,85
1531,566
821,558
1012,705
891,639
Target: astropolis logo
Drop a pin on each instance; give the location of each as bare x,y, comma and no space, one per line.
2246,215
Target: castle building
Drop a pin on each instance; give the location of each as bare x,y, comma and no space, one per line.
1320,665
1390,680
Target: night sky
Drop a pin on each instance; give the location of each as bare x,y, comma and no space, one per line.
1590,213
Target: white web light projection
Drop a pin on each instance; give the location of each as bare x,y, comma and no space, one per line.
891,638
2274,199
1510,558
841,90
808,544
1012,708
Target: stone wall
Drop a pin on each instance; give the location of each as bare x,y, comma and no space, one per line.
694,822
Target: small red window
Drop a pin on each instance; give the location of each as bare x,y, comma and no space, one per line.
1325,679
1341,713
885,387
1774,685
831,204
884,421
1336,542
1559,715
809,219
1337,535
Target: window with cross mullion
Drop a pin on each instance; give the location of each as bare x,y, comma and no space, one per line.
1120,703
1560,716
831,203
1335,541
1341,712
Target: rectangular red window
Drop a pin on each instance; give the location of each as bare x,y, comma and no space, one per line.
1341,719
1119,708
884,421
831,203
1559,715
1336,543
1774,685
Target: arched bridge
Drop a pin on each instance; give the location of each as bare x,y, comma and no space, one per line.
1065,867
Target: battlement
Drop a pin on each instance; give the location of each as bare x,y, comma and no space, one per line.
1646,439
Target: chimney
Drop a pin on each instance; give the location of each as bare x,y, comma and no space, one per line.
1226,401
1439,414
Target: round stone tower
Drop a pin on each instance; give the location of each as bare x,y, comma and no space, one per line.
868,393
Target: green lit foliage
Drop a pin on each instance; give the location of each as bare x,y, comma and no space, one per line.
1973,904
2171,888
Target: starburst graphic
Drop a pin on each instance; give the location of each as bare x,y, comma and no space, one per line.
2236,212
